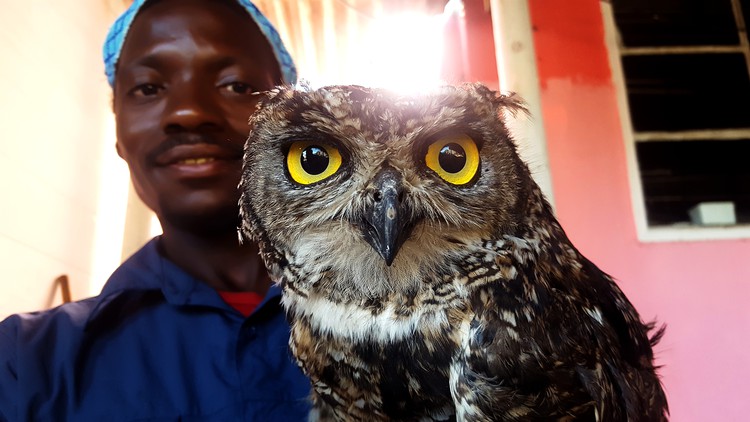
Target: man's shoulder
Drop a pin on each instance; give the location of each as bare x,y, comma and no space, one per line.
69,321
33,343
63,320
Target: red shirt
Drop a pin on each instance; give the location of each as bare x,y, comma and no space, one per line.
244,302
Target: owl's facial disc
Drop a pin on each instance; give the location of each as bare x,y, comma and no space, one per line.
387,220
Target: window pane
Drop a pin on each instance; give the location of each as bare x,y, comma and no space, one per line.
677,175
675,22
681,92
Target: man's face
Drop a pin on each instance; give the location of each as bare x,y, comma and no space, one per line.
183,95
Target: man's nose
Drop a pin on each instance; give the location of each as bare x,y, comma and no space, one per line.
191,108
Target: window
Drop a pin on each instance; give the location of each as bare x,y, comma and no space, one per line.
685,69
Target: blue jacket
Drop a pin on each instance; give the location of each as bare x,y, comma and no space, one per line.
155,345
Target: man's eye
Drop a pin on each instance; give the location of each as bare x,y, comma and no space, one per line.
238,88
146,90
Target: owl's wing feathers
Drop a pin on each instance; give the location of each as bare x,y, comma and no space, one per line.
555,339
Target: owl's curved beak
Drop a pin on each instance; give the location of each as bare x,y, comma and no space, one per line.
386,223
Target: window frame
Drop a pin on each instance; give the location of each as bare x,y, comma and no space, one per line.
645,232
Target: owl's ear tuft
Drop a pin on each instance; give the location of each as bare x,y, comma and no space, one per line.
510,102
304,86
275,94
269,102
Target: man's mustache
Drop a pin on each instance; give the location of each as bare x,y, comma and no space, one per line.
192,139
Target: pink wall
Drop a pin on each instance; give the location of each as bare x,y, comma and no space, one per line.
701,290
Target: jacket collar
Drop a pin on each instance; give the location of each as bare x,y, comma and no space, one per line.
148,271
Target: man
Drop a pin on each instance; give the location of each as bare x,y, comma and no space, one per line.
189,328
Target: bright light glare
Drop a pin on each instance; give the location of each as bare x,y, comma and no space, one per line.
154,227
110,214
402,53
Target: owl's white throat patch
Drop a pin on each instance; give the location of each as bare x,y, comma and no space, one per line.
336,276
355,323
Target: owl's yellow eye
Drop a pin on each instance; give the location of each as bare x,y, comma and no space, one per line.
309,162
454,158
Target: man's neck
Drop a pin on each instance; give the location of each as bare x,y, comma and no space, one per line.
219,260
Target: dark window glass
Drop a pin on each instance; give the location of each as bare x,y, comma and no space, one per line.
675,22
678,175
687,91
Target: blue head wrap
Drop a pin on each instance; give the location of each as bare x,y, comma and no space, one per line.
119,30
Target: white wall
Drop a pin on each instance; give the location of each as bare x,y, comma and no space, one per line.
63,188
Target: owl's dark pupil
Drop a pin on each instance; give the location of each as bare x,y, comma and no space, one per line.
452,158
314,159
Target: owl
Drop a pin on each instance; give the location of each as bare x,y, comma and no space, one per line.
424,274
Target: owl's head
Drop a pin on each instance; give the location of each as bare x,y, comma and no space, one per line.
367,184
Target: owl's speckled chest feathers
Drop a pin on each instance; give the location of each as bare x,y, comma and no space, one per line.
395,357
400,379
391,356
